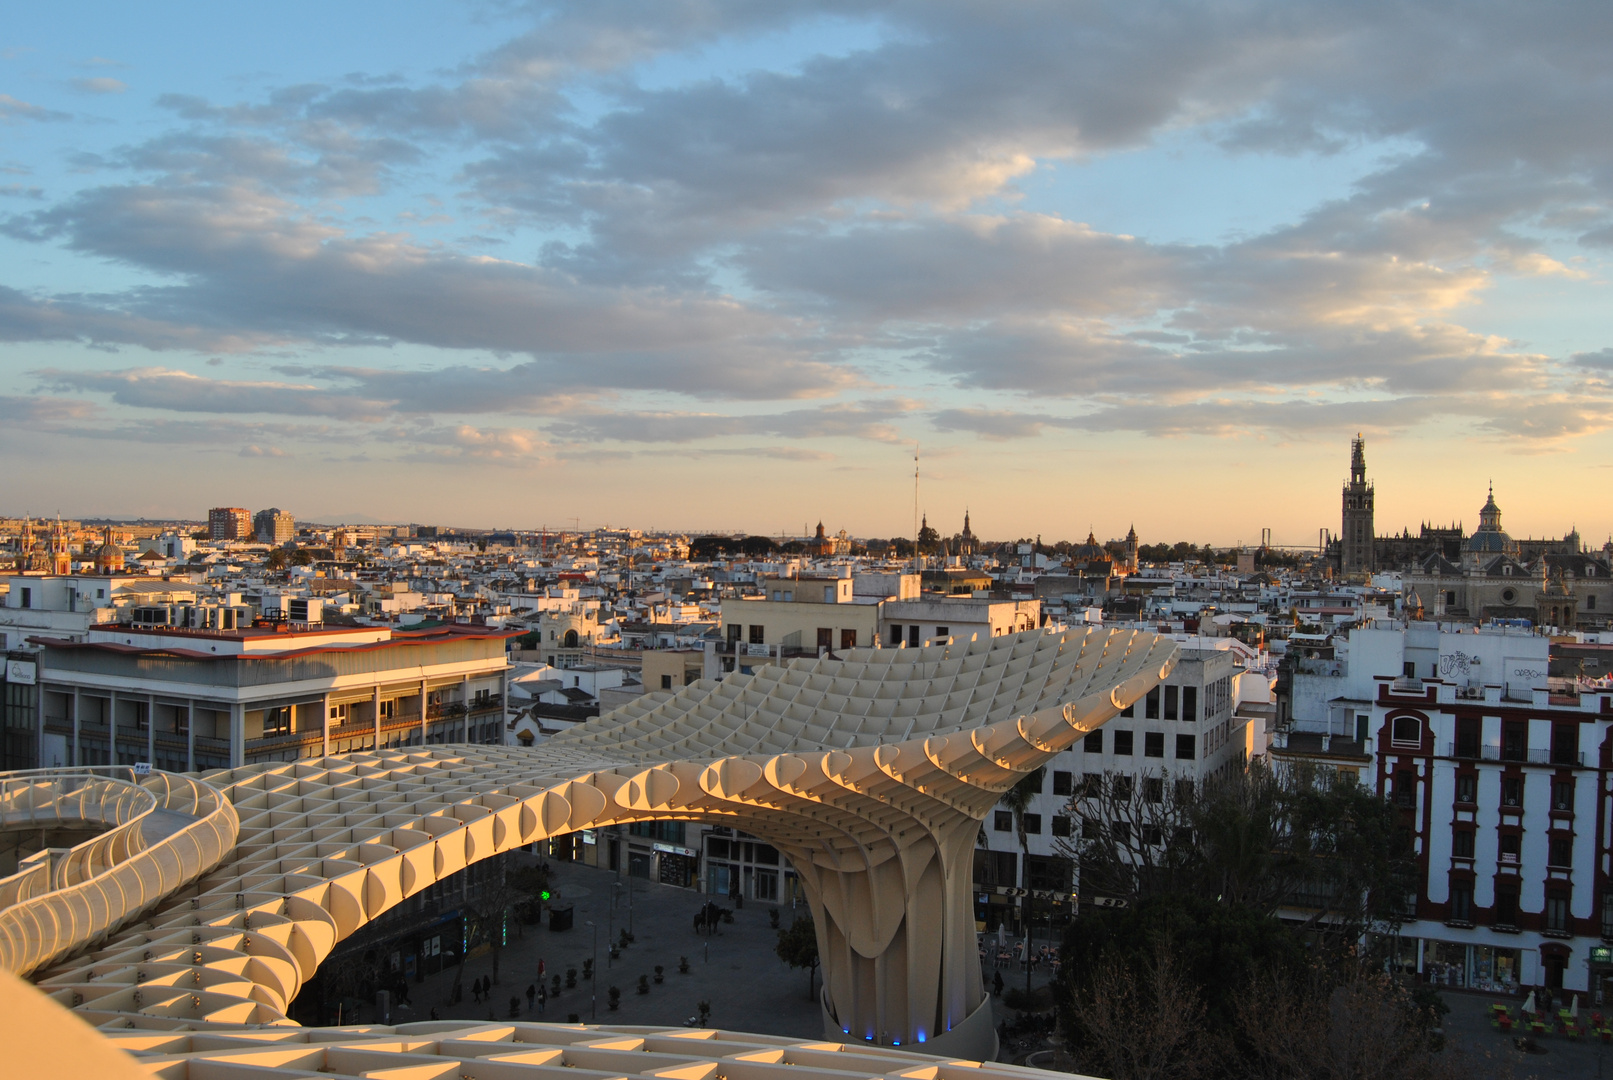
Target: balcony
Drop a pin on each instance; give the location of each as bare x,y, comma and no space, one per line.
1533,756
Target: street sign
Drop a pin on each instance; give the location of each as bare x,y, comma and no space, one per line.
1601,954
142,768
1109,901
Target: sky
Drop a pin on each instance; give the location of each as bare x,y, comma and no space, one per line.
686,264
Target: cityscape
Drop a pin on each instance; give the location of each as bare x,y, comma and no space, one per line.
708,540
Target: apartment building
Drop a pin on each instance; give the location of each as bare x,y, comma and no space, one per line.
1186,728
1503,777
229,523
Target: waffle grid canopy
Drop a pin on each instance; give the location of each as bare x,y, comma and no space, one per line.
870,771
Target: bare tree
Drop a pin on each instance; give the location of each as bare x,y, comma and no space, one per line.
1362,1027
1143,1024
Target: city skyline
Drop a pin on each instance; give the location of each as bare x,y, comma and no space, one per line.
681,264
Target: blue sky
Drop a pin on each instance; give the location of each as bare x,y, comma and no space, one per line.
722,265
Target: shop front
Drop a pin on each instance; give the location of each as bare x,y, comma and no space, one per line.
1460,966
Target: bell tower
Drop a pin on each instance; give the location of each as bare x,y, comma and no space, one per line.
1356,540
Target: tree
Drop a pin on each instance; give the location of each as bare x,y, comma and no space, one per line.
276,560
300,557
1145,1024
798,947
1017,801
929,541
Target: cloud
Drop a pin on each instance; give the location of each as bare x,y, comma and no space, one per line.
848,228
255,451
13,109
100,85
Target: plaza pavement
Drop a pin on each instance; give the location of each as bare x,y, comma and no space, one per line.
736,969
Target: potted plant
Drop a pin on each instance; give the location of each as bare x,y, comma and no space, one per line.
588,969
658,972
772,918
621,942
704,1009
683,965
554,985
613,997
644,984
571,978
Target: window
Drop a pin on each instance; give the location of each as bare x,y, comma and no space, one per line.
1407,731
338,713
1033,824
1091,785
27,598
1590,603
1063,783
1565,744
1190,703
1405,788
1562,795
1153,835
1151,705
1462,844
1184,791
1506,903
1461,901
757,637
1153,789
1185,747
848,639
1467,737
1171,693
825,637
1093,743
913,636
1121,831
1467,786
666,682
1122,788
943,632
896,635
1061,825
1129,710
1154,744
1514,740
733,634
828,594
1123,743
1512,791
1003,821
1560,850
1511,842
1089,829
1033,781
277,721
1408,668
1557,912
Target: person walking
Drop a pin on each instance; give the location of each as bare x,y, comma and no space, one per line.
531,996
543,999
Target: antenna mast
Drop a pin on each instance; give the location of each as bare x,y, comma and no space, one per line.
916,569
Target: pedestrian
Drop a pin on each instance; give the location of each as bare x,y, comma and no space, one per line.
543,999
997,985
531,995
434,1012
476,990
540,969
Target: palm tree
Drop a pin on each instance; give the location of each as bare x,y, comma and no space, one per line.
1017,800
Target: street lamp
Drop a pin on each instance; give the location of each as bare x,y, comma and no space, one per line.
593,984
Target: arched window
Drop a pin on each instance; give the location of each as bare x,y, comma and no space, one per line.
1407,731
571,639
